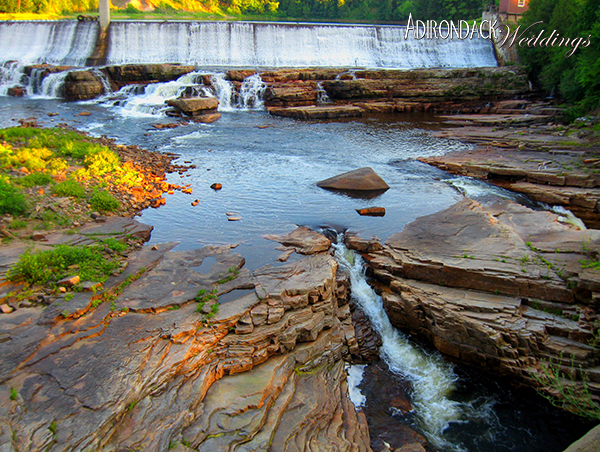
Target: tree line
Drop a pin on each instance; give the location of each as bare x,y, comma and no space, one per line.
334,10
571,77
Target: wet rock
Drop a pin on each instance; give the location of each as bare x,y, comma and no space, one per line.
372,211
216,186
82,85
303,240
16,91
194,106
318,112
291,95
29,122
207,118
234,218
239,75
146,73
362,245
362,179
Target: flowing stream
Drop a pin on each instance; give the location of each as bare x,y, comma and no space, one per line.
431,377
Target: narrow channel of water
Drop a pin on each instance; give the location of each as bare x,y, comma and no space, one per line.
455,409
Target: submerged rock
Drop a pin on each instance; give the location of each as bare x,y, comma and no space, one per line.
362,179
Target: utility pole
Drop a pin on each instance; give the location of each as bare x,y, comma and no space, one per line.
104,7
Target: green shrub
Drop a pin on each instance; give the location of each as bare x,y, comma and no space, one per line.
35,179
104,201
12,200
18,224
69,187
114,244
43,266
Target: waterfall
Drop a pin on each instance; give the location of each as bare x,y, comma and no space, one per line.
149,100
36,42
431,377
258,45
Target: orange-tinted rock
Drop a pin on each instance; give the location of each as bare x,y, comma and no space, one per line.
194,106
16,91
372,211
216,186
69,281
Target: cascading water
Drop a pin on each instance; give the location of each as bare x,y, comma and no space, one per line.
36,42
431,377
135,100
247,44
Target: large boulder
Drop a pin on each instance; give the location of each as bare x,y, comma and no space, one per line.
82,85
194,106
362,179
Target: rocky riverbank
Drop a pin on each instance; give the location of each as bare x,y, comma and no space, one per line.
221,357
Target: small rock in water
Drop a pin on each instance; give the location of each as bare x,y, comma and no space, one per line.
195,203
372,211
85,113
232,214
234,218
216,186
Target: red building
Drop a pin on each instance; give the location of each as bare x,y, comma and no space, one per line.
513,8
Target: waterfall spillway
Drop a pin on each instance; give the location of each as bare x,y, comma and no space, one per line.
53,42
432,379
35,42
248,44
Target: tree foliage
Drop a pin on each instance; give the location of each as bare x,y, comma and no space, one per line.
573,77
349,10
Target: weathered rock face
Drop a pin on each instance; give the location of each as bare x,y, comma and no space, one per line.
156,369
500,287
362,179
82,85
563,179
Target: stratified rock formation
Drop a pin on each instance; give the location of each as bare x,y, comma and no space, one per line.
328,93
565,178
504,288
198,353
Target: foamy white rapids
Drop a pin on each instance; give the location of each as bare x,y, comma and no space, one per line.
260,44
566,216
355,376
149,100
431,377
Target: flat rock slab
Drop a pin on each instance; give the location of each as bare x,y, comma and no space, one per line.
303,240
318,112
362,179
465,246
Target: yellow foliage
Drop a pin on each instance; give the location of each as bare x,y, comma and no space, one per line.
30,158
102,162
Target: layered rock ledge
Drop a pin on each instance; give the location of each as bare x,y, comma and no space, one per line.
325,93
501,287
159,368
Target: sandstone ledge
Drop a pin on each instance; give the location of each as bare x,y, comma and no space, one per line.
149,371
501,288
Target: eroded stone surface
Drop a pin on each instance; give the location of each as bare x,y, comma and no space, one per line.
362,179
148,371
